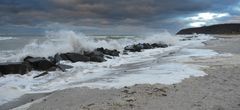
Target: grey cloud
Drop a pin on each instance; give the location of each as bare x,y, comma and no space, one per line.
106,13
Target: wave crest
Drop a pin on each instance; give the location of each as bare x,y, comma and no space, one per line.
69,41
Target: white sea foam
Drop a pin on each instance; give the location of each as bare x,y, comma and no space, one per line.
7,38
64,41
165,37
169,73
135,68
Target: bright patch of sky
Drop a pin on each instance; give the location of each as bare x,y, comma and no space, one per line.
197,24
204,18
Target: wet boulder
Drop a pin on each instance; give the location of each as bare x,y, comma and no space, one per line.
146,46
140,46
113,52
14,68
74,57
101,49
62,56
57,58
95,56
94,53
133,48
125,52
159,45
97,59
42,74
51,59
53,68
63,67
39,63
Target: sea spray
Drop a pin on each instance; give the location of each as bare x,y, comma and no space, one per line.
69,41
7,38
164,37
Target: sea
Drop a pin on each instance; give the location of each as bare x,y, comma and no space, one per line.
151,66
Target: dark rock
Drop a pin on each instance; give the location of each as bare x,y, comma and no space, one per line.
111,52
109,57
140,46
52,59
94,53
159,45
95,56
100,49
137,47
57,58
42,74
74,57
63,67
53,68
185,39
164,94
61,56
232,28
108,52
27,57
38,63
98,54
133,48
97,59
91,104
146,46
14,68
125,52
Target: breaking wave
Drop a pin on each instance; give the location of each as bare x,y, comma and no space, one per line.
7,38
70,41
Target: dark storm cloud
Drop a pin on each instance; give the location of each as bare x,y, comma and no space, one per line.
135,12
104,13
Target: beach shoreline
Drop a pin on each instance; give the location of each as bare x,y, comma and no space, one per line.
218,90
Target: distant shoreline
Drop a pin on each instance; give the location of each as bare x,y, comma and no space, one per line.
221,29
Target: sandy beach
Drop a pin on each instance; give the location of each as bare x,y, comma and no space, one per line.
218,90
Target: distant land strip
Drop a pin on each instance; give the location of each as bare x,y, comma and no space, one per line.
227,29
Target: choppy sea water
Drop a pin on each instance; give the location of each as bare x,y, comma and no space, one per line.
160,65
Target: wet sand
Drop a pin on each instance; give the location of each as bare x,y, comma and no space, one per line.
219,90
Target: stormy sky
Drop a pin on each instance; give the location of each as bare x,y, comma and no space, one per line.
114,16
